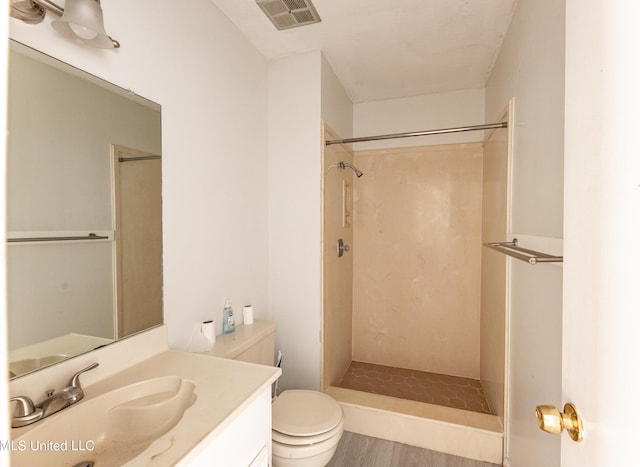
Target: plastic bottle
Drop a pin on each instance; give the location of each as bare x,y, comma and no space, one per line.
228,321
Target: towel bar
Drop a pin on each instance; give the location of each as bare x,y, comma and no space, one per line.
91,236
524,254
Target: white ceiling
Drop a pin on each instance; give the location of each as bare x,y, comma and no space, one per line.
383,49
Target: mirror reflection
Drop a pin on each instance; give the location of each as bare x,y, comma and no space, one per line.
84,226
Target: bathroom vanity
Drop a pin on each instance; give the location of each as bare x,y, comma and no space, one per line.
148,405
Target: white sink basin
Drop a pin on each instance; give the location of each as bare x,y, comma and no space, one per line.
110,429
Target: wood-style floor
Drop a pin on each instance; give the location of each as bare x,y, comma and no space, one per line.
357,450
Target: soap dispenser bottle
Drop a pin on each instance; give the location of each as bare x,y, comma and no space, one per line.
228,321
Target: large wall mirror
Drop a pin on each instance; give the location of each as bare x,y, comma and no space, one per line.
84,226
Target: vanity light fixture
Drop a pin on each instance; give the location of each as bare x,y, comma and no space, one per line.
79,20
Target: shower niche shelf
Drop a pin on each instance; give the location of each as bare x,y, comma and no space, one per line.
524,254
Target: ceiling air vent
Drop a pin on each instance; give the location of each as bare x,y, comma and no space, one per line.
285,14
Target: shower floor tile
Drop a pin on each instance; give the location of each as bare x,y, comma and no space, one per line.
421,386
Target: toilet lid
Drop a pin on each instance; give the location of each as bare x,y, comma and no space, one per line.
287,440
298,412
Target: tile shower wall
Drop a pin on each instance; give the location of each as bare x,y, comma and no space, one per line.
493,325
417,250
337,273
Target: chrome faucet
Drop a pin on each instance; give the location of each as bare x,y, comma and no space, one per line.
28,413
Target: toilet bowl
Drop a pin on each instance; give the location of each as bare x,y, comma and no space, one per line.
306,428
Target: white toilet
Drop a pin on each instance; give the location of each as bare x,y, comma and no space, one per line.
306,425
306,428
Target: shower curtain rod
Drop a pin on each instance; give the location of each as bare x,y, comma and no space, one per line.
487,126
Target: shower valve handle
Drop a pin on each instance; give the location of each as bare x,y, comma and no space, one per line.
342,247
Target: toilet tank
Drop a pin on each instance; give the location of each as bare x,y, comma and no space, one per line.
253,343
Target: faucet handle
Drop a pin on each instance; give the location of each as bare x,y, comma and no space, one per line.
25,406
75,381
27,412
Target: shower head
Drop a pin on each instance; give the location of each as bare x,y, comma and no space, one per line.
357,171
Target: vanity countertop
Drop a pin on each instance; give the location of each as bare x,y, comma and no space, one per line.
223,388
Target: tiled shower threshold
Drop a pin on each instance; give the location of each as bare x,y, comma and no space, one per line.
414,385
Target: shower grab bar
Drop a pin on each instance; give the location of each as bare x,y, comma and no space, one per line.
524,254
91,236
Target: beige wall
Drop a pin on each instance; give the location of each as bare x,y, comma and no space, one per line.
417,258
493,321
337,274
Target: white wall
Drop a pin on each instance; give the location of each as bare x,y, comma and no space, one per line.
211,84
303,91
337,108
419,113
530,68
294,215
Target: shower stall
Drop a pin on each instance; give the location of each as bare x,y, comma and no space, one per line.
414,311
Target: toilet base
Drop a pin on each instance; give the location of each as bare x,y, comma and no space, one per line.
314,455
320,460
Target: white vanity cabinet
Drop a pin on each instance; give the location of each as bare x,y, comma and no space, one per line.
246,440
242,441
